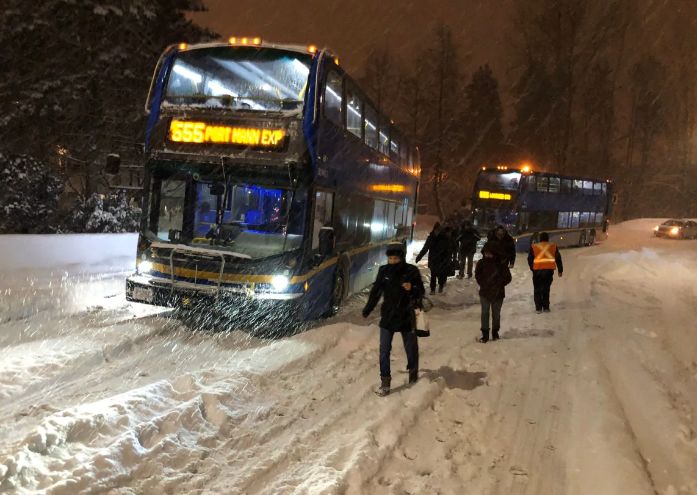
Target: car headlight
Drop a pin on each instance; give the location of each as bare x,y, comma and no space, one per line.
675,231
145,267
655,229
280,282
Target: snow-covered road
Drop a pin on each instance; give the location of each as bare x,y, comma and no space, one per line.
598,397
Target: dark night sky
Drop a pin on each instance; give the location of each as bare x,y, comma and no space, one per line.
351,28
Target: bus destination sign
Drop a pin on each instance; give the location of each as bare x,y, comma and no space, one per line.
185,131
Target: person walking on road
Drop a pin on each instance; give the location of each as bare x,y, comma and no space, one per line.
504,244
543,259
467,245
401,288
492,276
438,247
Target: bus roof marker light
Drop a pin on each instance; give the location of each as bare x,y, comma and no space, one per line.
336,60
256,41
183,46
312,49
232,40
245,41
526,169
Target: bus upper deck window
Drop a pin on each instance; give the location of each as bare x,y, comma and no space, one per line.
588,187
578,186
566,186
394,147
371,126
384,137
354,112
554,184
542,184
597,189
333,97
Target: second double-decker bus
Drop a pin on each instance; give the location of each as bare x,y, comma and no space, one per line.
573,210
272,183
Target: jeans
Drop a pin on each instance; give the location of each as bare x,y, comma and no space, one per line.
411,347
441,278
493,307
466,258
542,282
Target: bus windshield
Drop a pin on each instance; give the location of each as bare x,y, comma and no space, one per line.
499,181
242,78
244,219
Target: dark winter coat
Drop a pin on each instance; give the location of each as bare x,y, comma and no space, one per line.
492,277
398,304
505,248
439,249
468,239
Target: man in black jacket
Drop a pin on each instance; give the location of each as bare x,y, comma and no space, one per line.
492,276
439,248
400,286
503,244
467,244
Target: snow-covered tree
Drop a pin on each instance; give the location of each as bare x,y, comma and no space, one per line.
75,74
101,214
28,196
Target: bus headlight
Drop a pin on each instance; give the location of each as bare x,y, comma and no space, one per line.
280,282
144,267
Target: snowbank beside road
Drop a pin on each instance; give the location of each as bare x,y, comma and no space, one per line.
62,273
30,251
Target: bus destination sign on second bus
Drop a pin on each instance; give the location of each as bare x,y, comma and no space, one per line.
182,131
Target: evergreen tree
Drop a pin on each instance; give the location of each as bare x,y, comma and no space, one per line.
101,214
482,119
76,74
28,196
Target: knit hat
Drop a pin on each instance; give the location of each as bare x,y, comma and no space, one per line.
395,249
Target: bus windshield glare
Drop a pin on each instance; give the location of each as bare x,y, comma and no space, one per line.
244,219
496,181
241,78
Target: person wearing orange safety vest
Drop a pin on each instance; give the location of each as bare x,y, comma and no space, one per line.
543,259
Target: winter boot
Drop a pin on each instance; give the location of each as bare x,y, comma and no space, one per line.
495,334
384,386
440,289
413,376
485,336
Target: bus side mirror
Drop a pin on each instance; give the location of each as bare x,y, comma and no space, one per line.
113,163
326,241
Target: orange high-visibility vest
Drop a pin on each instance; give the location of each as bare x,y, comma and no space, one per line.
545,256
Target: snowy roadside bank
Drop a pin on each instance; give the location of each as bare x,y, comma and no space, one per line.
60,274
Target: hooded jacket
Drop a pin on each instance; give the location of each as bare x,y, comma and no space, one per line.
397,311
492,275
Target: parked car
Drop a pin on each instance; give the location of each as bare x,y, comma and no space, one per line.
676,229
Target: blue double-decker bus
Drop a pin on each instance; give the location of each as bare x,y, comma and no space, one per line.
573,210
272,183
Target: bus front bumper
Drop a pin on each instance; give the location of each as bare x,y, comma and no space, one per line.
174,294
